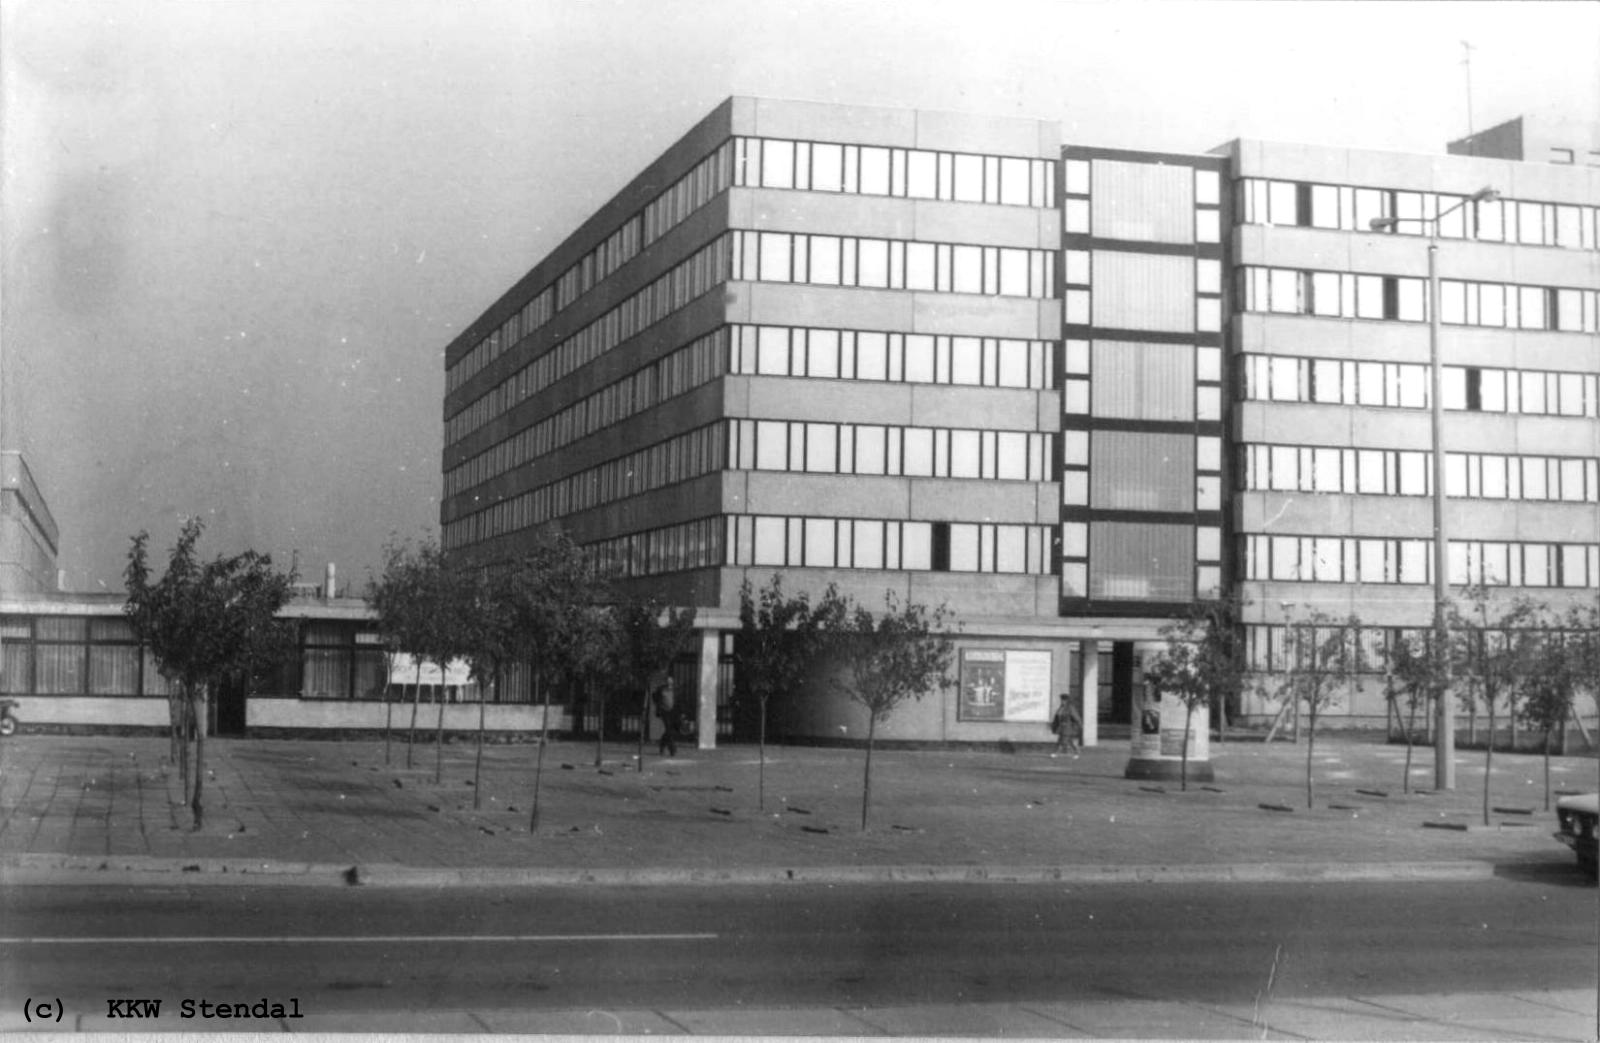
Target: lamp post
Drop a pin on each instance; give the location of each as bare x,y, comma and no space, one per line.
1444,744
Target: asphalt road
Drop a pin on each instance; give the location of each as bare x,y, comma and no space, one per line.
535,948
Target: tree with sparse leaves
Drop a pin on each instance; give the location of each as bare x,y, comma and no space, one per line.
887,659
1492,655
775,647
549,591
1567,662
650,636
1326,656
487,643
205,623
1413,677
405,600
1202,663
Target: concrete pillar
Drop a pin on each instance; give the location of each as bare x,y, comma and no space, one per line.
1089,651
710,653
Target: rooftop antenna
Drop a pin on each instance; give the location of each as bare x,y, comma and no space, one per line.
1466,60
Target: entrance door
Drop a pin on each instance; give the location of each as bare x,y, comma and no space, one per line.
228,709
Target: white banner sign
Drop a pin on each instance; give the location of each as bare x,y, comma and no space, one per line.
403,671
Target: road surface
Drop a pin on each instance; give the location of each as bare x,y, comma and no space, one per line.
408,949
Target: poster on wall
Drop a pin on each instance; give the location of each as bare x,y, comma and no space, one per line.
1004,685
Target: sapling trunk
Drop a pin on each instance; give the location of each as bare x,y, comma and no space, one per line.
199,758
600,732
761,771
538,767
644,724
416,697
866,778
1183,766
438,735
477,763
1311,747
1488,764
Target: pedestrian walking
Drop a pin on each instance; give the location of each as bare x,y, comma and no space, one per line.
1067,725
666,700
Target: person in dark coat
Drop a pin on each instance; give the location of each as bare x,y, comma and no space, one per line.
1067,725
666,700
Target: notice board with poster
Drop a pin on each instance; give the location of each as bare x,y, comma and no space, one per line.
1004,685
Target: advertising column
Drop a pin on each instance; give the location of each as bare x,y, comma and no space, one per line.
1157,747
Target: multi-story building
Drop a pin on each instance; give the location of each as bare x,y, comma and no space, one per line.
1066,392
1329,346
808,338
29,538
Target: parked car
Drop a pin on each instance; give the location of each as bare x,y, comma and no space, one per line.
1576,816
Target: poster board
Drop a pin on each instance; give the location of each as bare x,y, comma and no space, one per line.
403,671
1004,685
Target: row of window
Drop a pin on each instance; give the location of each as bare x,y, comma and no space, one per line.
872,170
689,193
75,655
833,543
1405,385
1344,207
873,449
1349,295
697,363
690,278
770,445
674,460
912,358
771,351
1400,472
1347,559
1275,648
892,264
857,543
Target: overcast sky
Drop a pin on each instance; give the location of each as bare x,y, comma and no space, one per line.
239,235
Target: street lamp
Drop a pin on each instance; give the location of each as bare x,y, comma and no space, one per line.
1444,759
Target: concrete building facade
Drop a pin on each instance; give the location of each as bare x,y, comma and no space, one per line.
1064,390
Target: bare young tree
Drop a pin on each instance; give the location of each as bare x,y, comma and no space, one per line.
1326,657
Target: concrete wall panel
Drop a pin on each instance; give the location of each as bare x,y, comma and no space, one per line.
973,315
951,499
826,495
862,402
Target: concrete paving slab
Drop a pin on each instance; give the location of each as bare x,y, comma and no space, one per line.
1576,1001
1143,1019
580,1022
771,1021
171,1022
980,1020
1354,1018
411,1023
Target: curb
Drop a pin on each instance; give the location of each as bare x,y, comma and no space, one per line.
47,871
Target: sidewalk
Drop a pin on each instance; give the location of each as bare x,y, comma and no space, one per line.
1565,1014
97,808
